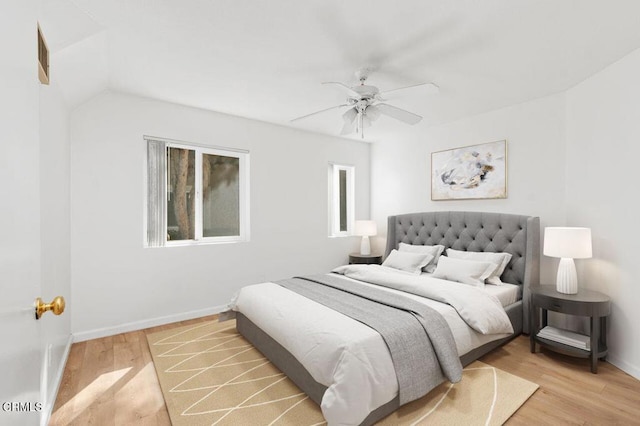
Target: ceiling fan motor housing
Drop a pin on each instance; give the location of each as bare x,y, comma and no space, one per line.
366,91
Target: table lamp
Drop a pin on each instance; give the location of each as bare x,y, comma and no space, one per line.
567,244
365,229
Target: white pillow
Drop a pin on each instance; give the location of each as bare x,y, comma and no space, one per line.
434,251
464,271
500,259
409,262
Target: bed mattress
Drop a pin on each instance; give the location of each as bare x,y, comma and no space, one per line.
506,293
346,356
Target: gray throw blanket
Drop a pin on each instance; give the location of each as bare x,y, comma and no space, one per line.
420,341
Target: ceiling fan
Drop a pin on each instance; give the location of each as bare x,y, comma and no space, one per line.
366,103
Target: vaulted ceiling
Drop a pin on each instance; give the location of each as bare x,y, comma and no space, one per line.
266,59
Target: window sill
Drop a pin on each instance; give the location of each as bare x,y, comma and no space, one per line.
198,243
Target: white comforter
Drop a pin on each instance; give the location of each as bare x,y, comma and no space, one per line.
347,356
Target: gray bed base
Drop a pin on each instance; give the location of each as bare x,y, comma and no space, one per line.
470,231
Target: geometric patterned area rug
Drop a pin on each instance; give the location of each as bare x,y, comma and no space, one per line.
210,375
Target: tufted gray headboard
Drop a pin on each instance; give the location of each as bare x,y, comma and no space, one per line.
477,231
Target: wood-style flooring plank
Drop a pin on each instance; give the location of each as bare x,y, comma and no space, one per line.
69,385
102,378
112,381
569,393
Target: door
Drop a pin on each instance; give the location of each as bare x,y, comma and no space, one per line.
20,347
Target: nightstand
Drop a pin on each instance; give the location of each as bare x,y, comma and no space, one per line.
588,303
365,259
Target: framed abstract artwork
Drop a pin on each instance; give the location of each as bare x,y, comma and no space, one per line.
470,172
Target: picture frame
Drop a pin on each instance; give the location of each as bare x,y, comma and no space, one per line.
470,172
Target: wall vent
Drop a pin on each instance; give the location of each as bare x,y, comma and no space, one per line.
43,58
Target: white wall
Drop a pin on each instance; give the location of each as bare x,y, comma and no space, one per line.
573,160
536,165
117,284
54,234
603,152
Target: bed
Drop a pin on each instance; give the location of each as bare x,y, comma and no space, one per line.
344,365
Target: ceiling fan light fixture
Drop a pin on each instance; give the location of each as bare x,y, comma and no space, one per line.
373,112
366,103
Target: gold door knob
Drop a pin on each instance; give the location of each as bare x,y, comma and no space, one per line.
56,306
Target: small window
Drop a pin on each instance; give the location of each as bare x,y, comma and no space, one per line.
341,200
196,194
43,58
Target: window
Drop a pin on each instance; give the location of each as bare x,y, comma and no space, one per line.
341,200
43,58
195,194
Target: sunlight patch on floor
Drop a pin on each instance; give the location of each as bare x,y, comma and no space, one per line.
87,396
138,385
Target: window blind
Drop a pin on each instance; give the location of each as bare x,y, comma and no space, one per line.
156,193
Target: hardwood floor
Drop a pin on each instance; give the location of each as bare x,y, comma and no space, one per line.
569,393
112,381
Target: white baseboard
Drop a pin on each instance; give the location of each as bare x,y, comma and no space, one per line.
631,370
139,325
48,409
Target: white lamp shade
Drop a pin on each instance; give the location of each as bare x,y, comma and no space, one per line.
563,242
366,228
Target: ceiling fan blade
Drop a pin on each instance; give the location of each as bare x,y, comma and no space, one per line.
432,89
318,112
352,93
399,114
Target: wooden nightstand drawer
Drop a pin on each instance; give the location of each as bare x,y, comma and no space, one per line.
365,259
558,305
570,303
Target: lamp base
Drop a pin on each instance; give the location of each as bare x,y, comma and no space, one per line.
365,247
567,279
